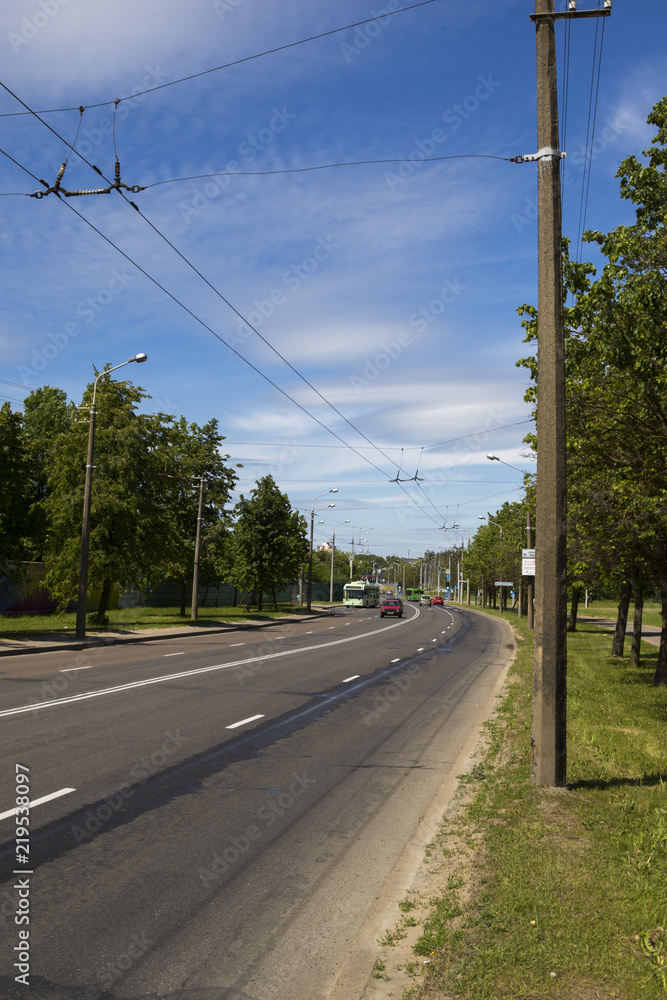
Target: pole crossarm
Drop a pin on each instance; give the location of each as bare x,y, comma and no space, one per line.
570,14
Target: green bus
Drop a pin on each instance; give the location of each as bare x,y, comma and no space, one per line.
413,593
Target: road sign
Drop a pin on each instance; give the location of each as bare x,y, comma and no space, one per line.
502,583
528,562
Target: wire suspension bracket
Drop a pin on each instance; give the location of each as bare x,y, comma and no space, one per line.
56,188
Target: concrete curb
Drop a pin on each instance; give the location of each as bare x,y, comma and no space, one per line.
150,635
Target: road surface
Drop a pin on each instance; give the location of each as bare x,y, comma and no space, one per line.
214,818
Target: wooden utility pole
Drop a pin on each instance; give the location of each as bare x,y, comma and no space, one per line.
548,731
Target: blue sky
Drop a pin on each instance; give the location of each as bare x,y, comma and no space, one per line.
391,288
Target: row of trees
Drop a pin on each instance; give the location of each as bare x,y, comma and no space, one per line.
616,391
144,503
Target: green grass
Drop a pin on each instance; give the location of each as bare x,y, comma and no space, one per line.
566,889
651,614
138,618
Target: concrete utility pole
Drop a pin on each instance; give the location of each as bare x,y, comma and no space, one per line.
548,732
195,572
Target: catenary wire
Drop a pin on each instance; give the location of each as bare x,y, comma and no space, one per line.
235,62
590,136
325,166
216,291
194,316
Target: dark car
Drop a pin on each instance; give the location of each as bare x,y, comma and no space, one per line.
391,606
437,600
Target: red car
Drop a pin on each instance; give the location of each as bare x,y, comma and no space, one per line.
391,606
437,600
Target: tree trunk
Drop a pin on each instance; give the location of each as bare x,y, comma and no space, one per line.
275,602
637,625
660,676
104,598
621,620
574,607
182,588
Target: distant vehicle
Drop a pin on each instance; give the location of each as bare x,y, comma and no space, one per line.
361,594
437,600
425,599
413,593
391,606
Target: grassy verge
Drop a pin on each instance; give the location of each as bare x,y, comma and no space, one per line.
651,614
559,893
138,618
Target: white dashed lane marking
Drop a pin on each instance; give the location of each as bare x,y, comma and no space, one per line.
243,722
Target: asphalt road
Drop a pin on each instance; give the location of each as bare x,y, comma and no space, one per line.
222,812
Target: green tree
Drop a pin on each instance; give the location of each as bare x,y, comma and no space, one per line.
616,387
125,524
270,540
185,452
46,416
15,508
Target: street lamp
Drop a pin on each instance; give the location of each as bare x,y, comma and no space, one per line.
82,595
333,551
494,458
310,553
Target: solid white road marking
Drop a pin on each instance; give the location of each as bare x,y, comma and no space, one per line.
237,644
69,670
354,677
174,654
85,695
39,802
243,722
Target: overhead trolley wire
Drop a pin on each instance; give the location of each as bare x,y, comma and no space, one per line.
326,166
227,302
198,319
590,135
235,62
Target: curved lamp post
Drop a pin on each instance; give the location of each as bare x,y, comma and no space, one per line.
310,553
82,595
